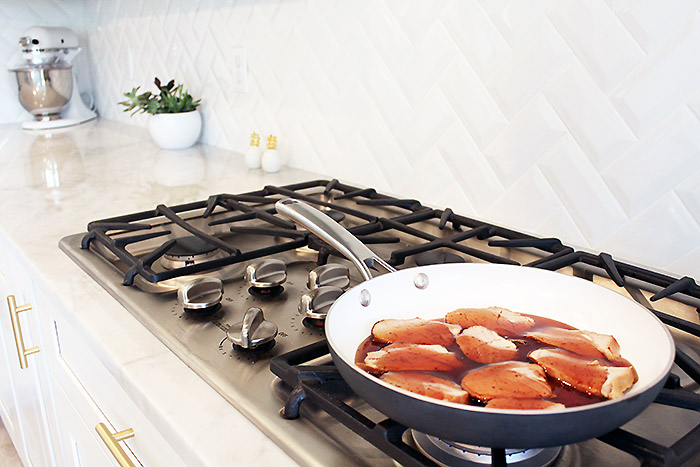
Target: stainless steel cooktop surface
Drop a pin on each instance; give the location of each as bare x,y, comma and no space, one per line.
243,377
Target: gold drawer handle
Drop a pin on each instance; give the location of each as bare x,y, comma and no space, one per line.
19,340
112,443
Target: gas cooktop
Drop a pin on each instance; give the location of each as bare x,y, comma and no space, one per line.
229,286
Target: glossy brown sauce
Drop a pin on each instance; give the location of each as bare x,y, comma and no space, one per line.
563,394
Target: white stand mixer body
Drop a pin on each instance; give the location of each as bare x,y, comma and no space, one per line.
42,46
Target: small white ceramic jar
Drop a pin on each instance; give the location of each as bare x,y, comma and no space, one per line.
175,131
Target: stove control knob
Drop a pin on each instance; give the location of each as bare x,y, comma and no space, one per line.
336,275
201,294
316,303
254,331
266,273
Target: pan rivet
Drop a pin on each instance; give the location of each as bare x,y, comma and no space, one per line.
365,297
421,281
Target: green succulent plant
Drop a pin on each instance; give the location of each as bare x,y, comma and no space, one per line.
170,99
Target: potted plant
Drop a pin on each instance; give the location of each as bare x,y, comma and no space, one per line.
175,121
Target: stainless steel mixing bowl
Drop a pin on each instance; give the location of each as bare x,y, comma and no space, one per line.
44,90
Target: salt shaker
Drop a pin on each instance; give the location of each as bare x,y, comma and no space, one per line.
271,161
254,153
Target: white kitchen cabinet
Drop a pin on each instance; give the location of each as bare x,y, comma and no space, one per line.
79,441
51,408
100,398
22,399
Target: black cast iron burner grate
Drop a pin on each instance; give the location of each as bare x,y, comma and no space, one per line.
119,233
357,204
321,384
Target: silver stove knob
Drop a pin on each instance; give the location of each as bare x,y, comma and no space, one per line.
266,273
333,274
253,331
316,303
201,293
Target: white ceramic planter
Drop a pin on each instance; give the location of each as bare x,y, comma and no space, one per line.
175,131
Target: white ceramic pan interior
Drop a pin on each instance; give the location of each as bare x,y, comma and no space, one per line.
643,339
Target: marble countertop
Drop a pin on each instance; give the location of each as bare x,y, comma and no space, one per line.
52,185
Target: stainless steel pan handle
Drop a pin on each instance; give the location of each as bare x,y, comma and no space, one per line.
332,233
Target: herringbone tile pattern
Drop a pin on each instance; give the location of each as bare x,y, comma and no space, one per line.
564,118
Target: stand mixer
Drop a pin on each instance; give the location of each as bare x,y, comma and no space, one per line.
48,88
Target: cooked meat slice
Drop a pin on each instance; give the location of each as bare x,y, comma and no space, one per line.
523,404
415,331
485,346
500,320
517,380
412,357
427,385
580,342
585,374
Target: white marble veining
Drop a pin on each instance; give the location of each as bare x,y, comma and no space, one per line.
53,186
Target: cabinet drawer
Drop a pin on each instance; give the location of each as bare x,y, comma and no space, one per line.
81,445
77,365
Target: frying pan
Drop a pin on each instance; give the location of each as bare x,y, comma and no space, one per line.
430,292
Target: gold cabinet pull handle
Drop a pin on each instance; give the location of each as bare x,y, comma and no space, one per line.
17,329
111,440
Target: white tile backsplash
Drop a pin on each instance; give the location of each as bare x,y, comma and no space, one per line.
658,163
469,167
431,57
560,117
595,34
589,115
515,18
528,136
427,123
532,65
472,102
689,193
582,191
476,36
662,234
561,225
386,151
651,21
664,81
687,262
528,204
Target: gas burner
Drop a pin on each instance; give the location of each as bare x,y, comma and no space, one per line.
465,455
437,257
253,333
188,251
